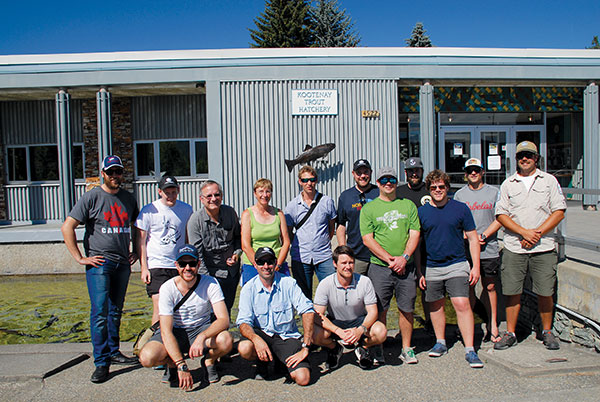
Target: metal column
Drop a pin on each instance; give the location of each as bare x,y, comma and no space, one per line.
591,144
427,126
104,125
213,130
63,133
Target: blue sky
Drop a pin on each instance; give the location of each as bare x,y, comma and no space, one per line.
34,27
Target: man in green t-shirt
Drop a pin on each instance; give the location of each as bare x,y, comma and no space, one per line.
390,229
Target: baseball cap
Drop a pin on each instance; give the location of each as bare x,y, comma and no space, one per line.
167,181
111,161
527,146
265,253
361,163
386,171
473,162
413,163
189,250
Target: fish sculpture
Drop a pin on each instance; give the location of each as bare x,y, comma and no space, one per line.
309,154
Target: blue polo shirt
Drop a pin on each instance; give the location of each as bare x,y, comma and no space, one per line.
312,243
273,310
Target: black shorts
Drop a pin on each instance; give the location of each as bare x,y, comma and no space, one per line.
185,337
283,348
357,322
490,267
158,276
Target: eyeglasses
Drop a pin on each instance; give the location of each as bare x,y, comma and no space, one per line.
114,172
433,188
385,180
263,262
215,195
309,179
471,170
525,154
192,264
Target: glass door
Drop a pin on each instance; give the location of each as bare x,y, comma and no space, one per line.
455,147
493,153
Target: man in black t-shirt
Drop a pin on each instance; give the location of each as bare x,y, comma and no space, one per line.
108,212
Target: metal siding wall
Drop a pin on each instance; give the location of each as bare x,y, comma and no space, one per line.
259,132
34,122
146,192
165,117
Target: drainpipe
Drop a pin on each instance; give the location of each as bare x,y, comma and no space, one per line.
427,126
104,125
63,133
591,144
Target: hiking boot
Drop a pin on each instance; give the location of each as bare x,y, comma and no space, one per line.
408,356
473,360
378,357
550,341
100,374
506,342
334,355
438,350
363,357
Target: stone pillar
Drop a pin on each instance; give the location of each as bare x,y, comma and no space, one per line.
103,115
65,145
427,126
122,138
591,143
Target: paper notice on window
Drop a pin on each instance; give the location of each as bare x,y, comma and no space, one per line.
494,162
493,149
458,148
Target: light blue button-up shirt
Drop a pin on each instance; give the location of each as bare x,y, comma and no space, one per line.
273,310
312,243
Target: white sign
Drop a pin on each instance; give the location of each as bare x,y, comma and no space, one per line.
458,148
314,102
493,149
494,162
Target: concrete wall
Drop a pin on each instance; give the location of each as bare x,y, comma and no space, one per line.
579,288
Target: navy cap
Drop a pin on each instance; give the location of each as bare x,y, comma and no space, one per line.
111,161
167,181
361,163
189,250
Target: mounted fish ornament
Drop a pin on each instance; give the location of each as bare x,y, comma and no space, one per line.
309,154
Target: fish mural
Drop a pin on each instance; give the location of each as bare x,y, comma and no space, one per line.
309,154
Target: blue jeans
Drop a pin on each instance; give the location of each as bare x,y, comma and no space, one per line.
107,285
303,273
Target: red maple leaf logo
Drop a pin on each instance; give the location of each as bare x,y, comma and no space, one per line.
116,217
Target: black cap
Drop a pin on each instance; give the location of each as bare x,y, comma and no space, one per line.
413,163
361,163
265,253
167,181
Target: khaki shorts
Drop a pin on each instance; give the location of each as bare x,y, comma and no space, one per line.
541,266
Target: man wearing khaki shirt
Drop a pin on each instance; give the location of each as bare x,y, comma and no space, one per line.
531,205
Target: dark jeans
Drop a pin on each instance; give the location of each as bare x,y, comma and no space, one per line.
107,285
303,273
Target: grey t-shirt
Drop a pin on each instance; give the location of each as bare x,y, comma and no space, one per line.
482,204
107,218
345,304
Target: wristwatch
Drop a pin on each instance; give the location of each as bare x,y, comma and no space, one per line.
365,330
304,345
406,256
483,237
183,367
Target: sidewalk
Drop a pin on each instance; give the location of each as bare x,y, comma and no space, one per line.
60,372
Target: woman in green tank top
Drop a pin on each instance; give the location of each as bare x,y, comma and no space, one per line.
263,225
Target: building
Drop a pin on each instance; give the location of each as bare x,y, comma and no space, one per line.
235,115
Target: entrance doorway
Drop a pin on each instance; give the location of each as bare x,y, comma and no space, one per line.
495,146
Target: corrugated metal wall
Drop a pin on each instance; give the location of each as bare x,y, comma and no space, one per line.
189,191
259,132
37,202
34,122
168,117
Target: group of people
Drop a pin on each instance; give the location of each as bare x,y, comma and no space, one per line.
391,239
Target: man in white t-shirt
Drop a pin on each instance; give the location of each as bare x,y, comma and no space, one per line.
161,227
189,330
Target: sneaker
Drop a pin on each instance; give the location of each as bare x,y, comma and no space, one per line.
334,355
170,375
363,357
550,341
506,342
408,356
120,358
212,374
262,370
438,350
378,357
474,360
100,374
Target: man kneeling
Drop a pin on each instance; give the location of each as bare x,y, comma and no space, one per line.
188,329
266,320
351,303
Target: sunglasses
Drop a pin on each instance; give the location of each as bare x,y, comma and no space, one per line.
362,198
192,264
525,154
114,172
385,180
412,172
263,262
309,179
471,170
442,187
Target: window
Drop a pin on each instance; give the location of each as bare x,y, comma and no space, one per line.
179,158
41,163
17,164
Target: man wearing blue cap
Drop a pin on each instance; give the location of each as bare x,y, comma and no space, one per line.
186,303
108,212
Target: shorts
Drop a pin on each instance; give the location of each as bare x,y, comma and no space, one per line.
357,322
158,276
283,348
361,267
541,266
185,336
490,267
456,287
386,282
